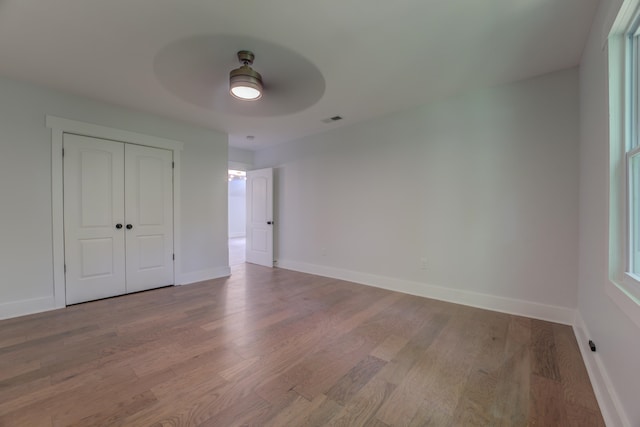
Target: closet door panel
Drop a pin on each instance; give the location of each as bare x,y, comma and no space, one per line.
149,217
93,207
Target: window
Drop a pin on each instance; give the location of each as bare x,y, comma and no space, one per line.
624,207
632,161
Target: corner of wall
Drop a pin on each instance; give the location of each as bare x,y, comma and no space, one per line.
610,405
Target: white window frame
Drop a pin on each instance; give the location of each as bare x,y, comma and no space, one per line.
630,279
623,287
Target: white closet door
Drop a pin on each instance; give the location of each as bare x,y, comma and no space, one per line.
93,209
149,217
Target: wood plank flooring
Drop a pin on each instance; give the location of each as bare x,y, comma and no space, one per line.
271,347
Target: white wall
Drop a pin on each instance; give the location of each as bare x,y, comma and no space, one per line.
484,187
25,189
240,156
616,363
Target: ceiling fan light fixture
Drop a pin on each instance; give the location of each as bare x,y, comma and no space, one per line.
244,82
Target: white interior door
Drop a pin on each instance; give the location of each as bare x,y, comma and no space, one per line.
260,217
93,218
149,217
118,218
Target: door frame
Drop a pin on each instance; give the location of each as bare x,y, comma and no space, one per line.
269,217
59,126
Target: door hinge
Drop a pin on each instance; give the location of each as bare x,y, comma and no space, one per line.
63,152
65,268
174,257
173,165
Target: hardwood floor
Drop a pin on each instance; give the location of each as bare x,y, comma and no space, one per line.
280,348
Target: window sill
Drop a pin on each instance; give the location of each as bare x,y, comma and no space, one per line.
623,297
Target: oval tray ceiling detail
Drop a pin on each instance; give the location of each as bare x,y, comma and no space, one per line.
196,70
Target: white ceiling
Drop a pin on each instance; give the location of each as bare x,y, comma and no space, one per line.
355,58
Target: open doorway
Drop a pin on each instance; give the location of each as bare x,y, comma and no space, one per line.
237,216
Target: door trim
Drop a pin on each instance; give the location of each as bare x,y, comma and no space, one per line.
60,126
251,255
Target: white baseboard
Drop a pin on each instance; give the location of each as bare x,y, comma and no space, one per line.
608,400
518,307
202,275
37,305
233,235
24,307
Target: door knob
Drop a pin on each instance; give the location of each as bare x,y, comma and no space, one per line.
129,226
118,226
269,222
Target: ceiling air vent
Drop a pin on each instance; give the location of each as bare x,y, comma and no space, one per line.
332,119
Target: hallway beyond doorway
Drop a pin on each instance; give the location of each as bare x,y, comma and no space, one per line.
237,250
